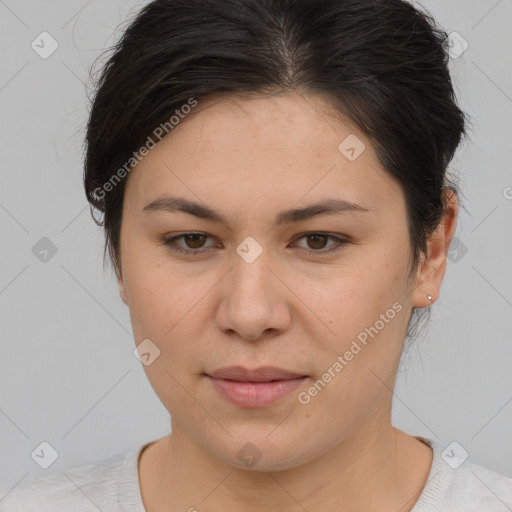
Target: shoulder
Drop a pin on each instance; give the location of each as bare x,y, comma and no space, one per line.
480,488
456,484
82,488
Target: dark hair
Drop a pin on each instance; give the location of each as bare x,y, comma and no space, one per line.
381,62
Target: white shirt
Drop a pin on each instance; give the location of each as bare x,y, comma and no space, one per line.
112,485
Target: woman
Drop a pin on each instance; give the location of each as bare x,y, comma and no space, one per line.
272,176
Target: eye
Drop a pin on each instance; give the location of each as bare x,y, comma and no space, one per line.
319,240
195,242
194,239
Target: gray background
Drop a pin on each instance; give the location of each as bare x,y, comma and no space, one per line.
68,373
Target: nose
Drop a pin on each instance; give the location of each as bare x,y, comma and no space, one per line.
253,303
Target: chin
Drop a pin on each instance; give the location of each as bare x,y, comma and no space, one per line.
260,453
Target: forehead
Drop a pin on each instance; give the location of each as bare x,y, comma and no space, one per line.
272,121
282,146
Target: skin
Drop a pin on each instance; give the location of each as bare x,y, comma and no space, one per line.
250,158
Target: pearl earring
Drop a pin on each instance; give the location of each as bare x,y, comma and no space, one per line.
429,297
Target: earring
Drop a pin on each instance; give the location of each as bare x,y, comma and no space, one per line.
429,297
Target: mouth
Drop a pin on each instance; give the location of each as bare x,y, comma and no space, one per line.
254,388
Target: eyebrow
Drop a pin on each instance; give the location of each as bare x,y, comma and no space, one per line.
325,207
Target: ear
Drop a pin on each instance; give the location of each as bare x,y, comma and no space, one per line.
432,267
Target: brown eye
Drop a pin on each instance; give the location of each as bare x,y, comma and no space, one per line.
194,243
318,241
194,240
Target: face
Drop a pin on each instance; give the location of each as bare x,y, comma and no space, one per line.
324,296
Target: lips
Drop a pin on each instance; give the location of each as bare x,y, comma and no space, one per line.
263,374
261,387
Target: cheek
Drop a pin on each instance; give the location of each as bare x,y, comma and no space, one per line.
365,311
355,297
162,310
167,308
154,294
356,369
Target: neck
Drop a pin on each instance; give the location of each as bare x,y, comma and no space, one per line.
372,469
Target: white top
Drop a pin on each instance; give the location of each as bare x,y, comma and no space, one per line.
112,485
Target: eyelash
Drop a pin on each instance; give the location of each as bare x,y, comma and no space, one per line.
340,242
